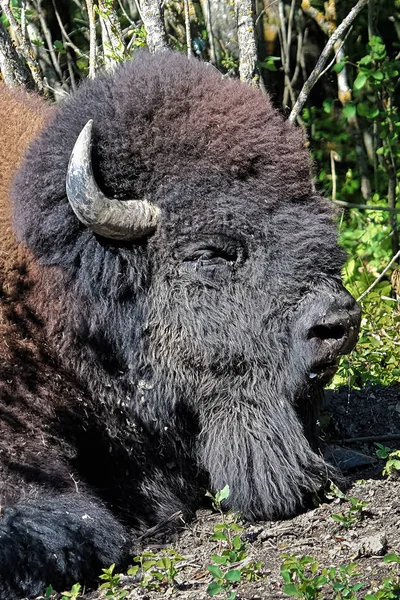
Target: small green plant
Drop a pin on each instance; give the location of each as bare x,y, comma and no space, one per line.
305,579
111,584
355,514
356,511
232,551
392,457
392,466
73,594
382,451
300,577
218,499
390,587
222,582
157,571
48,593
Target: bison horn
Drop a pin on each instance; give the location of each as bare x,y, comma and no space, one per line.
125,220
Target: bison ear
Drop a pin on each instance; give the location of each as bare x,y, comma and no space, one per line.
124,220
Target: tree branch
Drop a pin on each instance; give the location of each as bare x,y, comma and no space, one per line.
366,206
23,48
113,43
152,12
92,39
315,74
12,69
187,27
248,69
378,279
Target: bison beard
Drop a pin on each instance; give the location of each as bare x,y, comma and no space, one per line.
136,374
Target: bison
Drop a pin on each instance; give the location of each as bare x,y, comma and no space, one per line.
171,309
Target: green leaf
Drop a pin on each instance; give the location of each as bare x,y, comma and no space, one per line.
338,68
366,60
349,111
164,563
148,564
360,81
291,589
82,63
378,75
357,587
237,542
213,588
219,560
236,527
219,536
215,571
59,46
222,494
269,63
234,575
286,576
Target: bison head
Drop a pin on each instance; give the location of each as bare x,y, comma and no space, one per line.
191,274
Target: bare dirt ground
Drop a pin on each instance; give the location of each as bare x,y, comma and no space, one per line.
371,413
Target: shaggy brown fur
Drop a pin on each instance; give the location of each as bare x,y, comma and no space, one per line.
22,115
24,363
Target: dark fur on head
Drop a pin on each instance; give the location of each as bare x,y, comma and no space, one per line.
183,356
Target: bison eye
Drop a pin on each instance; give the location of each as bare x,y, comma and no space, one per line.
209,257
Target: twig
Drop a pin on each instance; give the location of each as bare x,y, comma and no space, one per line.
372,438
92,39
248,69
187,27
127,17
334,157
23,19
63,31
206,8
377,280
49,42
152,530
366,206
309,84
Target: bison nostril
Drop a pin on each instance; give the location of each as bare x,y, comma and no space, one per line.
327,332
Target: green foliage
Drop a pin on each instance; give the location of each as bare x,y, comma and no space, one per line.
304,578
366,236
229,62
269,63
376,359
137,36
111,584
356,511
219,498
392,466
222,582
73,594
157,571
232,551
382,451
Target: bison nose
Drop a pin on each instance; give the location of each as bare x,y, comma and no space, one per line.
336,329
